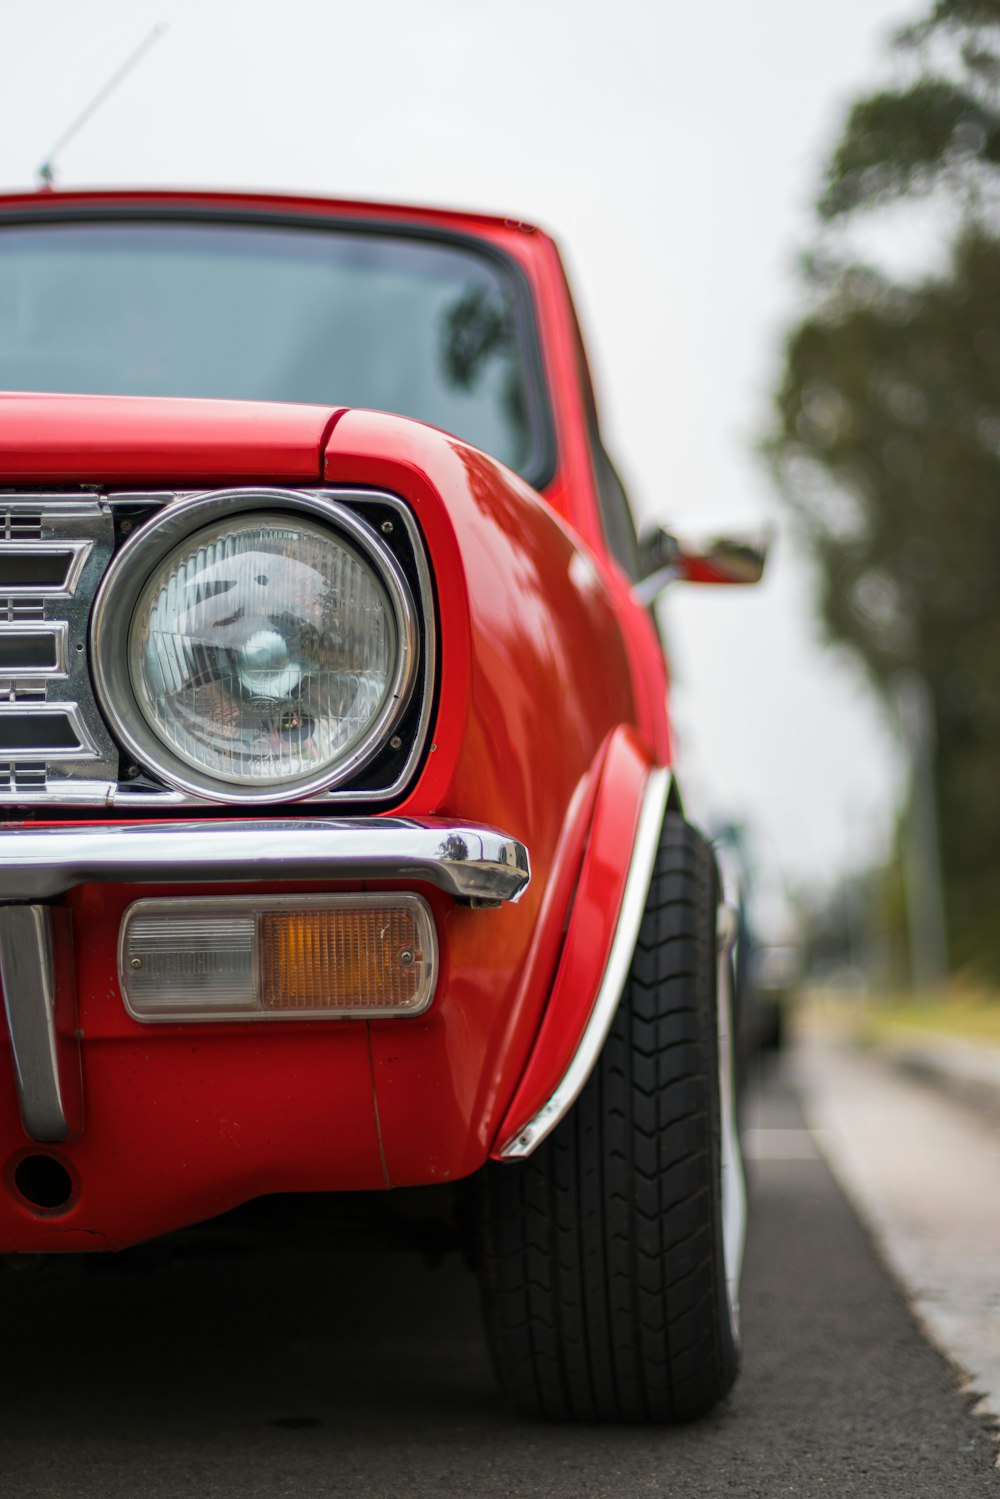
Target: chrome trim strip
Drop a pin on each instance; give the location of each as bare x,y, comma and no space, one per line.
568,1090
51,504
53,794
27,970
469,862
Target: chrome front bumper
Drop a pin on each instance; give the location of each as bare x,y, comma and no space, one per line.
473,864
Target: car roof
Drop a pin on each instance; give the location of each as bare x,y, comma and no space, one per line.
493,225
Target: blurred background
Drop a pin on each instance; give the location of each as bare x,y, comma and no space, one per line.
780,223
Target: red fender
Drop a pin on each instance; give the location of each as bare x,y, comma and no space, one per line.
590,933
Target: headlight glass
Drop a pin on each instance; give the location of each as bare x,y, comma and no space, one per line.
261,649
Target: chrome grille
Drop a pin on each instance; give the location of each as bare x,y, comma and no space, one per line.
54,745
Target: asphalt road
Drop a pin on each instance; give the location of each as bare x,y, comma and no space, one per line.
270,1370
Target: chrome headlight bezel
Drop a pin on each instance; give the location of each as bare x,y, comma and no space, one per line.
132,567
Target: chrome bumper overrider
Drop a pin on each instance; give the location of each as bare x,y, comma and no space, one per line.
477,865
40,999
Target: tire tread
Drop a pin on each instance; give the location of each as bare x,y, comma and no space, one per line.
601,1253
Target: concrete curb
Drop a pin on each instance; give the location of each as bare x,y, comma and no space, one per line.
917,1167
967,1071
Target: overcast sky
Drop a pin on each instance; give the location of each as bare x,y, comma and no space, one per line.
673,150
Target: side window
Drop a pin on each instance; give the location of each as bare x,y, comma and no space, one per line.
616,513
619,527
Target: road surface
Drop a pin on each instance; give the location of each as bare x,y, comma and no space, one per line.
271,1370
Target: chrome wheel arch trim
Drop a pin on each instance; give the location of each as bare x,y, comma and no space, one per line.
734,1187
655,797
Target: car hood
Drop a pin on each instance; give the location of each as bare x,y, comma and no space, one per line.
139,440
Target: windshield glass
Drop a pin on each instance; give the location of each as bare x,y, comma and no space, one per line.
335,317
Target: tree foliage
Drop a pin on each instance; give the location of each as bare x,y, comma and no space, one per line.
887,439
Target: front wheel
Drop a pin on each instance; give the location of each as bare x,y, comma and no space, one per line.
610,1258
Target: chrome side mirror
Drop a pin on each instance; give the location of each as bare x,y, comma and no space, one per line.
664,559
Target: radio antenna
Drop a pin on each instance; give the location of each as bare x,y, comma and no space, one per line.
46,172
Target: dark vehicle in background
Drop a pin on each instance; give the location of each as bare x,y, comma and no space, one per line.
767,950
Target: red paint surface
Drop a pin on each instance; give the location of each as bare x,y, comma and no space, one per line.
118,440
551,683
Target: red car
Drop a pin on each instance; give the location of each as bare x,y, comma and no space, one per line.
339,844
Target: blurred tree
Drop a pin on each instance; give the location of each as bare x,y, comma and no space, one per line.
887,440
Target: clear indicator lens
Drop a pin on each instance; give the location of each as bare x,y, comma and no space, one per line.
188,965
262,650
308,957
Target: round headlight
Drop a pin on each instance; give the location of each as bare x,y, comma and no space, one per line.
263,655
261,650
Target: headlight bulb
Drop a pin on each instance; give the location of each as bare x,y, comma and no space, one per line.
264,666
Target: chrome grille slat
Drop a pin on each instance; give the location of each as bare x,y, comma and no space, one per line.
19,525
42,731
18,777
16,610
31,654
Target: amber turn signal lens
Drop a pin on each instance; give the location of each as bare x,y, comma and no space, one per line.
280,957
366,957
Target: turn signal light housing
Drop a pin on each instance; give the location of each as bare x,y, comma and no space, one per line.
278,958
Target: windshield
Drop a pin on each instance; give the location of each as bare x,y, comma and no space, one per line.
419,327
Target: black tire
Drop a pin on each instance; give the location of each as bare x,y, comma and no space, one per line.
602,1256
